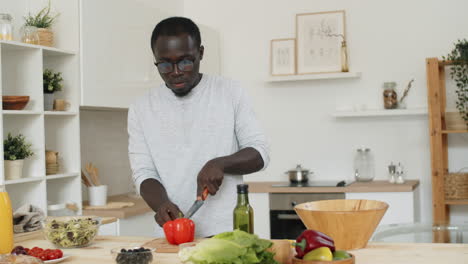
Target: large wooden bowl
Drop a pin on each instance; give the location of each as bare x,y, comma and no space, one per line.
343,261
349,222
14,102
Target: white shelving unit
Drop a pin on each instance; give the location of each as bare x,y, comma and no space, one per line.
318,76
21,67
381,112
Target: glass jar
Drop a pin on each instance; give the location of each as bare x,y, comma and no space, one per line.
390,97
364,165
30,35
6,27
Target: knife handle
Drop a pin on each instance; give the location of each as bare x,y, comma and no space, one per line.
204,195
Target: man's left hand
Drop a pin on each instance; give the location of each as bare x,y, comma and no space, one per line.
210,176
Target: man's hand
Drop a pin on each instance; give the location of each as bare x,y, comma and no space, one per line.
167,211
210,176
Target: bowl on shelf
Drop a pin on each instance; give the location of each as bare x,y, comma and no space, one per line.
71,231
14,102
350,223
134,255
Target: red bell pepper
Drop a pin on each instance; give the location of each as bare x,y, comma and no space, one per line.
310,240
181,230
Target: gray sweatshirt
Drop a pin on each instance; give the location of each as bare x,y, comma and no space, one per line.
171,138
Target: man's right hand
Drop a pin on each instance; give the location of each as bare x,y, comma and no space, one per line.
167,211
154,194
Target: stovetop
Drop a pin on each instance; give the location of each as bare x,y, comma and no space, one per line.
314,184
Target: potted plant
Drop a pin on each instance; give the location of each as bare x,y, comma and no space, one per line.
52,82
15,150
459,73
43,22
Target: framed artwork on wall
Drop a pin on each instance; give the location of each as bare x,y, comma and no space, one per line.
283,57
321,45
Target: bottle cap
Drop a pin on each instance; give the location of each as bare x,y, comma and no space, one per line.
242,188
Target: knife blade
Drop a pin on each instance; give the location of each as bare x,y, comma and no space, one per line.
197,204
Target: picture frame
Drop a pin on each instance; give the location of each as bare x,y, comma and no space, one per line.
319,38
283,57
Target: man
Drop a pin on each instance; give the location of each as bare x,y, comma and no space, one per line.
194,132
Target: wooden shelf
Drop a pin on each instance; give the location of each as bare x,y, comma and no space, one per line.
456,202
21,112
381,112
318,76
61,176
454,131
23,180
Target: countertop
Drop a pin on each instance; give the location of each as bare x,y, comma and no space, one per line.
356,187
382,253
139,208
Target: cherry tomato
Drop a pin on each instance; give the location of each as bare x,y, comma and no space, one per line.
52,255
27,250
43,256
59,253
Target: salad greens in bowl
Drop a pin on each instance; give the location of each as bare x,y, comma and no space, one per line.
71,232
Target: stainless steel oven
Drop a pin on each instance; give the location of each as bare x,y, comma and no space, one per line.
284,222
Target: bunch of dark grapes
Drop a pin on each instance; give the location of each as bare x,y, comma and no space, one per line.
19,250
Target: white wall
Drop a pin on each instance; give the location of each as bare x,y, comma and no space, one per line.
388,41
104,139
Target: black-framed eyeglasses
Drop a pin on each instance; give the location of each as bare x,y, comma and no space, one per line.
167,67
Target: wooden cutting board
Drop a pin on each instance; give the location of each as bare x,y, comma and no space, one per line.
162,246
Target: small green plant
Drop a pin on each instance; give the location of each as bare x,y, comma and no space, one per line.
16,148
43,19
52,81
459,73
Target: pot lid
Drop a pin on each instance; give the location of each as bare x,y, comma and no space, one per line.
299,169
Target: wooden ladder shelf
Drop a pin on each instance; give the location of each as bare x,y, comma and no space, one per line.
436,94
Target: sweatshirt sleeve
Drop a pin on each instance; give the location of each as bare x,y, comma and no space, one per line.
248,130
141,162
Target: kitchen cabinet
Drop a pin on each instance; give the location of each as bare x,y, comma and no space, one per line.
117,61
111,229
402,205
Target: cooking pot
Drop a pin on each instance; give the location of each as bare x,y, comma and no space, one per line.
299,175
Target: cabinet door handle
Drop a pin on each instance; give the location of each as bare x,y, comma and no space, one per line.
288,217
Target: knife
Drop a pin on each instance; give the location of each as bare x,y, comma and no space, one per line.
197,204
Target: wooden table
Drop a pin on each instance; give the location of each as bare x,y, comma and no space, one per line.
381,253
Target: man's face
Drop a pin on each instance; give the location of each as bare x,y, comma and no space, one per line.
182,50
